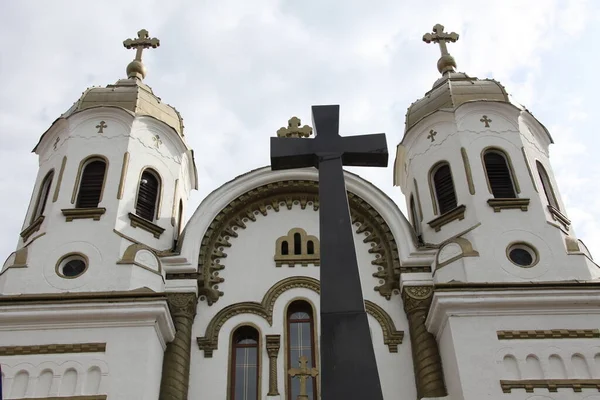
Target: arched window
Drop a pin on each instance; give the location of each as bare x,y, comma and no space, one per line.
42,198
180,218
147,198
498,174
244,364
413,216
297,243
310,247
285,248
547,186
441,178
300,343
91,184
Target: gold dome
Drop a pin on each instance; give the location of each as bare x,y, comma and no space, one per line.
452,90
131,95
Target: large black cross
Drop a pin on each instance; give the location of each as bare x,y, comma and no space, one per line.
348,366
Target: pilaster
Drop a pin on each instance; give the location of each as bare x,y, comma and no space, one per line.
273,344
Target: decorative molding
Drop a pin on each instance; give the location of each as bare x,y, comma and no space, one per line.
465,158
572,245
31,229
85,397
175,207
559,217
59,180
552,385
273,344
466,248
429,374
529,169
123,175
507,204
176,362
208,343
549,334
130,253
271,197
139,222
83,213
81,297
20,258
52,349
304,258
457,213
159,253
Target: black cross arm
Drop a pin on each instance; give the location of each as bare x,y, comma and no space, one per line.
365,150
288,153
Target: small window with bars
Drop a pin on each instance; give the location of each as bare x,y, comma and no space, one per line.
147,198
91,184
499,176
443,188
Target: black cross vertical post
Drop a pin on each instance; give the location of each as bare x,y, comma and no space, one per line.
348,366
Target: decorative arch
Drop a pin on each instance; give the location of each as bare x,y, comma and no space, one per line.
142,256
210,342
272,197
297,247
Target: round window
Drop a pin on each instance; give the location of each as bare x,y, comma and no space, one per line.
72,265
522,255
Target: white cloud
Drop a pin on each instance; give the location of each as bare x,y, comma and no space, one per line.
237,70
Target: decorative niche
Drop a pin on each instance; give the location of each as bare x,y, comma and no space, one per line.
297,247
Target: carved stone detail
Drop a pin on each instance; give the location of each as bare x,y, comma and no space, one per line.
210,342
271,197
273,344
551,384
429,375
290,257
550,334
53,349
176,362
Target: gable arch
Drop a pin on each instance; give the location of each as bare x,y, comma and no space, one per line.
210,341
263,191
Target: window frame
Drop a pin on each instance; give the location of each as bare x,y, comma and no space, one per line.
82,165
232,360
547,186
157,202
313,337
48,177
433,189
509,166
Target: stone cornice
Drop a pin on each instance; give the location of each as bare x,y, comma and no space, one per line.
303,193
86,397
549,334
552,385
53,349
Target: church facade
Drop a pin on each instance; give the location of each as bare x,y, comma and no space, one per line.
482,292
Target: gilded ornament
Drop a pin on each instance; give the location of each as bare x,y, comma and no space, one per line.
136,69
446,63
431,135
486,121
294,130
101,127
303,373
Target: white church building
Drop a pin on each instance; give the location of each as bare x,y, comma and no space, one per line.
482,292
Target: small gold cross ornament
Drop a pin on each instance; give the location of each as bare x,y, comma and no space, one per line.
136,69
303,373
431,135
157,141
446,63
101,126
486,121
56,143
294,130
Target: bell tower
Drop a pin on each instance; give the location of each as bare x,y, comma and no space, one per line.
114,177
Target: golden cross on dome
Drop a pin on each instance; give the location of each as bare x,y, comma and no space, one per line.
294,130
303,373
446,62
136,69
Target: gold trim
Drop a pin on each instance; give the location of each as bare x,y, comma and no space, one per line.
82,164
40,193
559,217
456,214
175,204
59,180
82,213
31,229
208,343
60,260
507,204
511,169
273,343
139,222
550,334
259,356
85,397
418,200
152,170
529,169
124,167
130,253
465,158
303,258
52,349
263,199
551,384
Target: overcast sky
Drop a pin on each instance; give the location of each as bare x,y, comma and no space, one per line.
237,70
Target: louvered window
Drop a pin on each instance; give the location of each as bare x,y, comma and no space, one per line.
498,175
147,195
40,204
92,181
547,186
444,188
